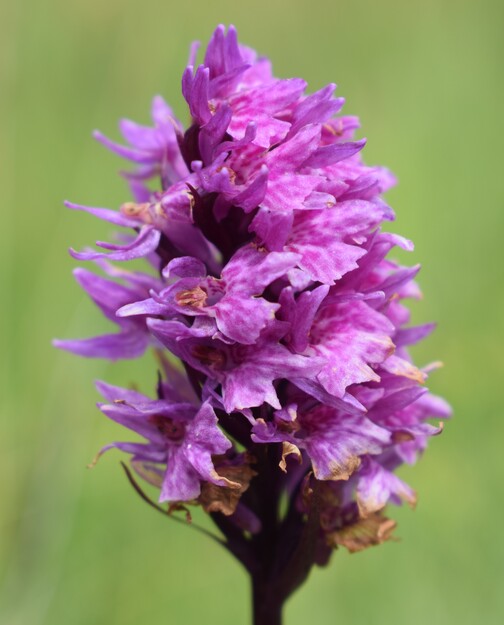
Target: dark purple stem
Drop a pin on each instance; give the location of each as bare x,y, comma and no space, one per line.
266,606
267,603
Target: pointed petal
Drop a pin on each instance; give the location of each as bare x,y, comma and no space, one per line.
145,243
111,346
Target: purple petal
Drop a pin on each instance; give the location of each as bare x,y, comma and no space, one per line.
316,108
377,486
410,336
272,228
198,100
143,137
144,307
181,481
251,383
251,270
112,393
131,154
128,344
223,85
185,267
243,318
133,420
330,154
142,282
223,53
212,133
229,146
141,452
106,214
399,366
335,441
145,243
348,403
351,336
322,238
288,191
301,313
398,279
289,155
108,295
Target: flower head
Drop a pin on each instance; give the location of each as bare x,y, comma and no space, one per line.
270,283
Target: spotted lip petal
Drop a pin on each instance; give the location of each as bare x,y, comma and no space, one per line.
352,338
245,372
329,241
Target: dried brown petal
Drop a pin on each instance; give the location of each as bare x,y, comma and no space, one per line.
287,450
373,530
343,470
224,499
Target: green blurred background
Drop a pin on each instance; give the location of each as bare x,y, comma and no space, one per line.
78,547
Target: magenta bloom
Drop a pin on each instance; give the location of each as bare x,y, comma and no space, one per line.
267,277
180,436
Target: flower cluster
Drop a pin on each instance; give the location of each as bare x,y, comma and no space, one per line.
271,286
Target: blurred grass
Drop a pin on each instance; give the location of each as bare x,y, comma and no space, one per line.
78,547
